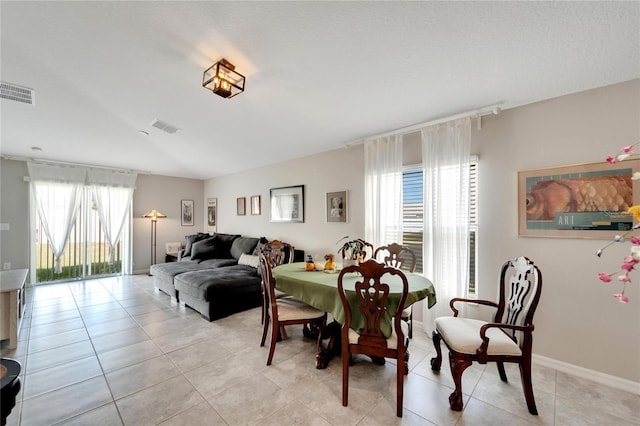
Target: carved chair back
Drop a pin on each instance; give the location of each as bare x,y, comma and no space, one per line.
397,256
268,283
277,252
356,248
372,292
519,293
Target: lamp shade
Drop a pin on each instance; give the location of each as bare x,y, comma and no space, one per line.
222,79
154,215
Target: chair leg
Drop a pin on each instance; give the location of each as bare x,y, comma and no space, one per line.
346,360
265,327
401,371
527,385
411,324
436,362
458,366
503,374
274,338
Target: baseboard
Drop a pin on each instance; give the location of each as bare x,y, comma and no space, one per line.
585,373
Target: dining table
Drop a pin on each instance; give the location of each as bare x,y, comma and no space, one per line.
320,290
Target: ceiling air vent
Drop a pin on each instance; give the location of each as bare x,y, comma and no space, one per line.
164,126
16,93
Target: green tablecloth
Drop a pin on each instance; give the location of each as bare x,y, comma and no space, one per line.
320,290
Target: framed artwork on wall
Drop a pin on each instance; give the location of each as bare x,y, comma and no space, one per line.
186,212
241,206
212,214
577,201
255,205
286,204
336,206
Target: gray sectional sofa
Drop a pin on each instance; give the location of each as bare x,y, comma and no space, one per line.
217,275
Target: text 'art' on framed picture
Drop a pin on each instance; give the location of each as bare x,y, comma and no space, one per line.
577,201
286,204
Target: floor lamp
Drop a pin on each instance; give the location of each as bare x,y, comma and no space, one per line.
154,215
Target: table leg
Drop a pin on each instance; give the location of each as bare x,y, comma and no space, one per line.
333,346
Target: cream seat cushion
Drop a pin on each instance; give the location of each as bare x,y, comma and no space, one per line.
392,341
290,308
463,335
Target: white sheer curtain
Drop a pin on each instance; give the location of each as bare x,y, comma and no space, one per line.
383,190
113,194
445,158
57,191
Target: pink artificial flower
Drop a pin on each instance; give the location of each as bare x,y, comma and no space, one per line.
624,278
628,266
621,298
611,160
627,149
635,240
605,278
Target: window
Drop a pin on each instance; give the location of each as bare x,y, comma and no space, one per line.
412,216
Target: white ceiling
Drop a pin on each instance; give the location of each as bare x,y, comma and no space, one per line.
319,74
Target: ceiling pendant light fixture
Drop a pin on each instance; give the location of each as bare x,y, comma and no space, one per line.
222,79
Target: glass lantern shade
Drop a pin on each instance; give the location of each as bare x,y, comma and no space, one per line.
222,80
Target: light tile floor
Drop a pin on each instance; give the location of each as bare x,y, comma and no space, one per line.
113,351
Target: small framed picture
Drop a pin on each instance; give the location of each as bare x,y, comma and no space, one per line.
212,213
255,204
336,206
186,209
241,206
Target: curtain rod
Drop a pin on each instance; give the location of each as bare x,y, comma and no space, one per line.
68,163
476,113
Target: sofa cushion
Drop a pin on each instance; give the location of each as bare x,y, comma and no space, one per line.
170,270
218,263
223,242
261,242
205,283
206,249
249,259
190,239
243,245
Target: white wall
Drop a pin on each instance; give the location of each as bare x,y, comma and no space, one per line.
14,211
163,193
577,321
327,172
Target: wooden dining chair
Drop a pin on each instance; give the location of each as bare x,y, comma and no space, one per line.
508,338
372,292
401,257
354,249
284,311
277,253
